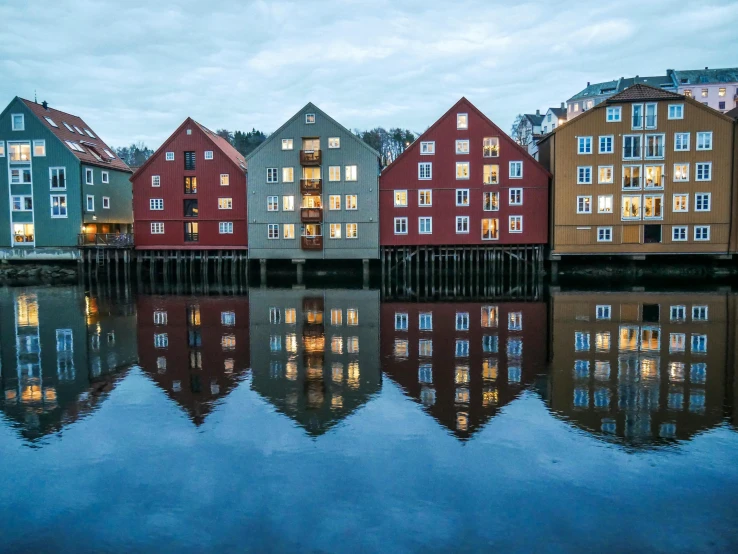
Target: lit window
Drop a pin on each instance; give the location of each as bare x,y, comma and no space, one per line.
225,203
39,148
491,147
350,173
334,173
516,223
491,201
287,144
334,202
462,146
288,231
225,179
352,230
351,202
288,174
631,207
490,174
462,121
490,229
428,148
604,204
334,142
681,173
605,174
425,197
515,321
288,203
335,230
462,170
352,317
516,197
584,204
462,197
309,118
401,198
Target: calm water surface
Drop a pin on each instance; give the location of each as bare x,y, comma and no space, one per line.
333,420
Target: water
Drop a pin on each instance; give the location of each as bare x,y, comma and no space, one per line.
313,420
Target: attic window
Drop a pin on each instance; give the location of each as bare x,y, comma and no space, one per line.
68,126
18,122
94,152
108,153
462,121
189,131
309,118
51,122
74,146
170,156
685,81
208,154
89,133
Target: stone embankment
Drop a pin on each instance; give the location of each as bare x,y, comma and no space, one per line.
28,274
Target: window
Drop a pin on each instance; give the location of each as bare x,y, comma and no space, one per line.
190,185
59,205
2,148
334,142
161,340
425,225
157,228
581,341
350,173
606,144
631,177
273,231
655,146
169,156
156,180
208,154
427,148
225,179
189,161
90,203
699,313
272,175
288,231
631,207
604,204
491,147
704,140
39,148
287,144
462,224
603,311
20,175
516,223
704,171
516,197
225,203
462,349
681,142
462,321
516,170
225,227
57,178
677,313
156,204
334,173
400,321
678,233
676,111
584,175
401,199
654,176
22,203
462,197
490,229
462,146
651,116
605,176
613,114
699,345
462,121
425,197
272,203
352,230
351,202
18,122
491,174
335,230
653,206
702,232
632,147
705,92
462,170
604,234
584,204
89,176
106,202
584,145
309,118
688,93
491,201
288,203
636,116
702,201
681,173
425,170
288,174
721,105
105,177
334,202
680,203
190,208
401,226
721,91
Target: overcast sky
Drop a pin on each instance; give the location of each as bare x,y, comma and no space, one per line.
135,69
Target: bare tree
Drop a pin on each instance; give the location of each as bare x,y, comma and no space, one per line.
522,131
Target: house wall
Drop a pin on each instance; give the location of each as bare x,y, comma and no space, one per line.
352,151
713,98
402,174
118,190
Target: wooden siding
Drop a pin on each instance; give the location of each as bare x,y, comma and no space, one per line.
562,149
351,152
118,189
403,175
171,190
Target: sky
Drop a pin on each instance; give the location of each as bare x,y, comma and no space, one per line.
135,70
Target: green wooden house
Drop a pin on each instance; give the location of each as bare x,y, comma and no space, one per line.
61,186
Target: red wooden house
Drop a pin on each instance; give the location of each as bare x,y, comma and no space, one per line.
464,182
191,194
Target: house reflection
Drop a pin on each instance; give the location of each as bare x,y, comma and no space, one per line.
315,352
61,352
641,368
195,348
463,361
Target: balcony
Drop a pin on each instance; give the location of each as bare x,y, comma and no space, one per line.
311,186
311,243
311,215
106,240
310,157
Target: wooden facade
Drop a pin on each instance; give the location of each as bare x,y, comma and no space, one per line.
643,195
464,166
191,194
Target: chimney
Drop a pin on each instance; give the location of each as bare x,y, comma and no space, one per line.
587,83
538,112
563,105
706,68
45,104
636,76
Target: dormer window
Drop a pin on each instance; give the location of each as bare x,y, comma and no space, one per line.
18,122
309,118
51,122
462,121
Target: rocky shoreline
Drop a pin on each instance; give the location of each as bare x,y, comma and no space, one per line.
31,274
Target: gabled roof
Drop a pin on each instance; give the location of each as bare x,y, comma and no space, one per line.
463,100
84,140
558,112
640,92
534,118
619,85
705,76
733,114
219,142
313,107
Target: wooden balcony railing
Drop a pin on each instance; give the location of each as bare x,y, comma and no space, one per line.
311,215
310,157
311,243
106,240
311,186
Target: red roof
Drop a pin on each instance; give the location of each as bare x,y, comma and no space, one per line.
85,141
225,146
643,92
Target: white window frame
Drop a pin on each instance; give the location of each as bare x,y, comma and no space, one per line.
334,230
679,231
334,171
599,174
464,220
156,180
272,203
355,234
288,144
350,206
638,151
429,221
603,311
428,148
334,143
38,144
468,171
13,126
169,156
582,146
698,311
425,168
697,196
272,176
584,180
515,201
89,176
421,194
51,206
351,173
51,178
157,228
229,205
273,231
459,124
611,150
697,171
492,208
105,177
582,203
612,204
154,202
2,148
616,112
685,174
686,145
208,154
643,207
225,227
697,227
405,205
515,174
677,313
309,119
646,156
510,220
401,223
673,202
87,203
465,194
703,147
604,234
106,202
675,111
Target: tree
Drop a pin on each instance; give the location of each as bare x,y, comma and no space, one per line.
226,134
134,155
521,131
389,144
246,142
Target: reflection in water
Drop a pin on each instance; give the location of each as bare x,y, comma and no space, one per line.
315,353
463,361
61,352
662,377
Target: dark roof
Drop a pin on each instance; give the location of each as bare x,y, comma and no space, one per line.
619,85
558,112
644,92
705,76
534,118
83,140
733,114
